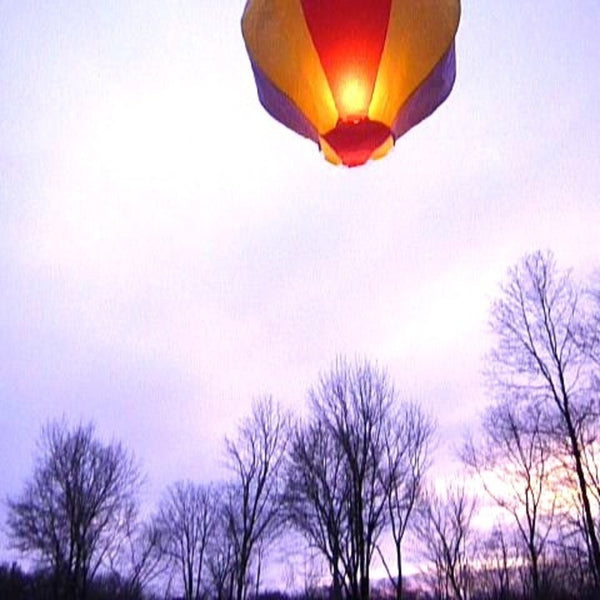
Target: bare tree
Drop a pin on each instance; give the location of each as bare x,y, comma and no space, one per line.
571,564
74,508
221,556
252,507
185,521
135,559
145,559
317,496
496,559
513,460
589,338
539,359
443,526
339,477
589,341
408,442
354,402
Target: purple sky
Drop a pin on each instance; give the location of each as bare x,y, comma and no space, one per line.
168,252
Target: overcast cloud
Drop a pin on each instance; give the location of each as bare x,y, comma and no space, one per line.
168,252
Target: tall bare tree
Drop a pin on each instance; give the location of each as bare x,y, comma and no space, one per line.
222,561
253,506
185,521
538,358
135,558
340,468
513,460
75,506
140,561
589,341
408,441
317,496
496,557
443,526
590,336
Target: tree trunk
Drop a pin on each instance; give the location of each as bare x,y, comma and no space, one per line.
535,574
583,488
257,588
337,585
399,578
364,587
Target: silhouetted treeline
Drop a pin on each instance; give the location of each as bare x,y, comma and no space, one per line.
15,584
18,585
348,485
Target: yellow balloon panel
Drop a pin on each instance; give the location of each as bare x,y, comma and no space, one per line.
383,149
419,34
280,44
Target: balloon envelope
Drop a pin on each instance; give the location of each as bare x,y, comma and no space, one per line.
352,75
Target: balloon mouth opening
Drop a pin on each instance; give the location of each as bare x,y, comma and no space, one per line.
355,140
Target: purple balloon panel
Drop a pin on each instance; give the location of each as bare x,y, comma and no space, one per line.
281,107
428,96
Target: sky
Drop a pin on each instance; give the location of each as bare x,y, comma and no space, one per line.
168,252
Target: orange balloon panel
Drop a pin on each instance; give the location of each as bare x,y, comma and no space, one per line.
352,75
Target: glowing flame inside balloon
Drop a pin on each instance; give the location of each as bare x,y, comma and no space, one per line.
353,102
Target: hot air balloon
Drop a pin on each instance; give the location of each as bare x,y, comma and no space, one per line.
352,75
